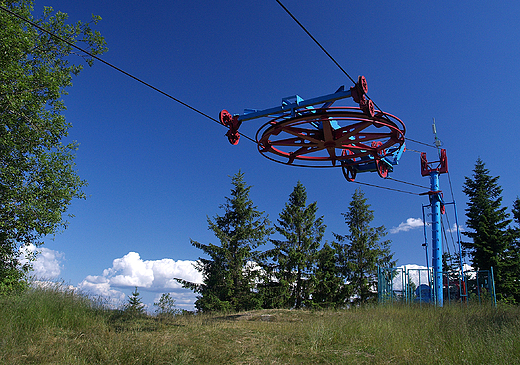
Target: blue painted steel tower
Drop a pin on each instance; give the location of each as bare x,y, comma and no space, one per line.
434,169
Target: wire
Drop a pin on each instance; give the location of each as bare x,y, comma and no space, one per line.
384,187
405,182
127,74
113,66
336,62
328,54
419,142
122,71
411,150
451,234
451,187
315,41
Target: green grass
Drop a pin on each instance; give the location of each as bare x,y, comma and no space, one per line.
52,326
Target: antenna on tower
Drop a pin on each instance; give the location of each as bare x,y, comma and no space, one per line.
438,142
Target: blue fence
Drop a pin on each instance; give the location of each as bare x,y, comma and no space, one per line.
415,285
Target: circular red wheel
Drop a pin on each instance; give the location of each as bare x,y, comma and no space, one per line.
317,138
225,117
348,170
349,173
362,82
382,169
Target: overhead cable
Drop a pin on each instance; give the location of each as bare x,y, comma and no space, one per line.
113,66
336,62
419,142
405,182
315,41
384,187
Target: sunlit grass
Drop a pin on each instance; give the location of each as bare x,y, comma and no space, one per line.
53,326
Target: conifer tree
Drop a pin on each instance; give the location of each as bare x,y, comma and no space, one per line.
295,255
135,306
361,251
516,211
329,288
512,270
487,223
230,273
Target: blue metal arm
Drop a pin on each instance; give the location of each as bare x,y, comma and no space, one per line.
299,103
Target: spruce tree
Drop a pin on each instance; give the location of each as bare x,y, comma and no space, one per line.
229,273
512,271
135,306
294,256
329,289
487,223
361,251
516,211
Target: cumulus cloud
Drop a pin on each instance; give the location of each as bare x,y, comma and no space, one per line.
47,264
157,276
454,228
411,223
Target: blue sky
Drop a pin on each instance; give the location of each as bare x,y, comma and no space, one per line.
156,169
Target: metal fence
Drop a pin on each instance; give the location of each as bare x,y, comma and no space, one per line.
415,285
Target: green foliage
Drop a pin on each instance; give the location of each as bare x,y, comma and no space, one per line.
493,244
229,274
13,280
512,265
329,288
294,257
362,251
516,211
37,176
166,306
134,307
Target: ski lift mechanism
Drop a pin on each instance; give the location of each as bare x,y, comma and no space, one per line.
357,139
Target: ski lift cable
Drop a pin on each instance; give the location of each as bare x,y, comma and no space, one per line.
336,62
451,234
419,142
315,41
161,91
443,228
115,67
409,183
325,51
384,187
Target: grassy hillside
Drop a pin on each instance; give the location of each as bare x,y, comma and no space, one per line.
49,326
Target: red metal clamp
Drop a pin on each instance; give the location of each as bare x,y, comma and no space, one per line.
233,123
358,94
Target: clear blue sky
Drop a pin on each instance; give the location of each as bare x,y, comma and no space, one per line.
156,169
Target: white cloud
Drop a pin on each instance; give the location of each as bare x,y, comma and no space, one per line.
454,228
156,276
411,223
47,264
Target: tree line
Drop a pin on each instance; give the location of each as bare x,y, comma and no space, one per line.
297,270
